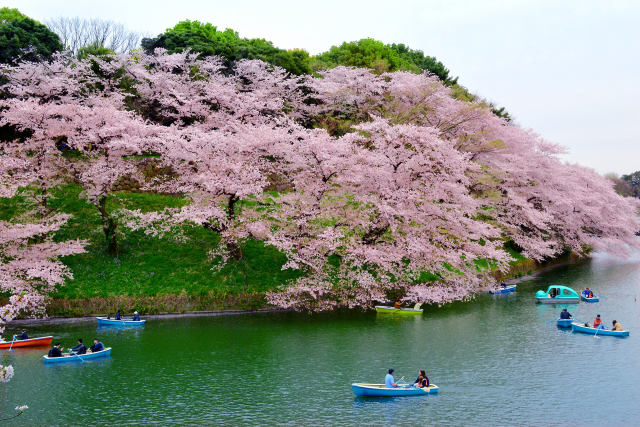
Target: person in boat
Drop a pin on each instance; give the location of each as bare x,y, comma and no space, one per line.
97,346
503,284
553,293
564,314
55,351
597,322
136,316
397,305
389,381
617,326
23,335
587,293
80,348
118,315
423,380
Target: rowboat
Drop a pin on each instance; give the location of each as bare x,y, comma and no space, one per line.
401,311
594,298
69,357
380,390
103,321
505,290
561,295
30,342
577,327
564,323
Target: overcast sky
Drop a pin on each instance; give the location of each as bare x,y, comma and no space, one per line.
568,69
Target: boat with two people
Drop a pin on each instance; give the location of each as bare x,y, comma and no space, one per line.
588,296
557,294
598,331
390,388
122,321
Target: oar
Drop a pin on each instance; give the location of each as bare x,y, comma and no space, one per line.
12,341
552,320
76,354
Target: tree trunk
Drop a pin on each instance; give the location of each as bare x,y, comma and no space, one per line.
108,226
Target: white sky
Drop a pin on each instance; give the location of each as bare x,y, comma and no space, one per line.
569,69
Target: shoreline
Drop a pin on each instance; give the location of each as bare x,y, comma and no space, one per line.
215,313
55,320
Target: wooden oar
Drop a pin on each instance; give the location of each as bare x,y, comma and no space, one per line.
76,354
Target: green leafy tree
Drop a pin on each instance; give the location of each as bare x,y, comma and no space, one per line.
22,38
94,49
633,179
206,39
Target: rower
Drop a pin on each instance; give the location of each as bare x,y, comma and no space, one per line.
397,305
587,293
118,315
564,314
97,346
24,335
389,382
80,348
136,316
597,323
56,351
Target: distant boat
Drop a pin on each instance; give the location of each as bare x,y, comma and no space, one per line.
577,327
103,321
562,295
505,290
401,311
68,357
30,342
380,390
594,298
564,323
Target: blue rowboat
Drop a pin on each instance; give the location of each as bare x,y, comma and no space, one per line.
505,290
103,321
577,327
564,323
379,390
592,299
68,357
561,295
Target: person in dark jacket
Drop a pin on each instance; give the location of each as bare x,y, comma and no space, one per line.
97,346
56,351
24,335
136,316
80,348
564,314
118,315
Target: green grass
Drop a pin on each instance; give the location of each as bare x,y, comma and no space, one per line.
148,265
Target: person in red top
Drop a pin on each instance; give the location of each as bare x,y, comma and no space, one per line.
597,323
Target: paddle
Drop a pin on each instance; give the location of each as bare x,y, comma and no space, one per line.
76,354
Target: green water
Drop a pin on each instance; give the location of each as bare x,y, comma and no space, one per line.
494,359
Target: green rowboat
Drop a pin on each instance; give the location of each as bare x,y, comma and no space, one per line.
399,311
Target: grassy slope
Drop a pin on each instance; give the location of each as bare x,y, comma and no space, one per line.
146,265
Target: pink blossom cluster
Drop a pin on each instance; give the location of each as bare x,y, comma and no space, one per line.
421,183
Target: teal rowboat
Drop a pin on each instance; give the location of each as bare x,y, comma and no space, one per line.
564,323
399,311
594,298
68,357
103,321
577,327
379,390
558,295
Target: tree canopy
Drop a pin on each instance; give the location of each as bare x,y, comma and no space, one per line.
22,38
207,40
381,57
